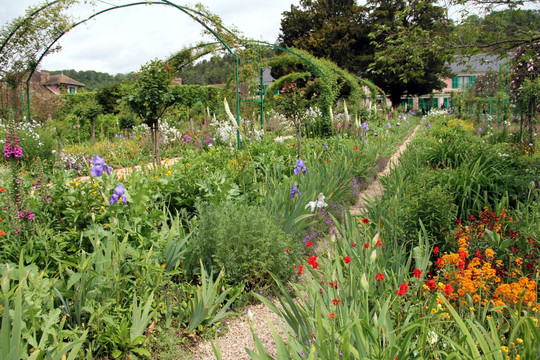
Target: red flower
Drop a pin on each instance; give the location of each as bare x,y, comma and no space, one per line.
379,277
355,147
402,289
439,262
2,190
321,290
312,260
332,315
417,273
436,250
309,244
478,254
462,254
347,259
448,289
461,264
300,269
354,244
431,284
2,233
379,243
336,302
333,284
287,251
365,220
366,245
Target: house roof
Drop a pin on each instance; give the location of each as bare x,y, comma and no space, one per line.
476,64
62,79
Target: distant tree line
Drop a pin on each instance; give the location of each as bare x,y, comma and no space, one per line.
94,80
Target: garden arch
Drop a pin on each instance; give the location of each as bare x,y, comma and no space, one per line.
203,19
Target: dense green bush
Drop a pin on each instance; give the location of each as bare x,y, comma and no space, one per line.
246,242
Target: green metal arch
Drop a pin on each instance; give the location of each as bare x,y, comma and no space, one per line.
188,11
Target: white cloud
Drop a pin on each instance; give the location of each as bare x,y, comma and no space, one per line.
122,40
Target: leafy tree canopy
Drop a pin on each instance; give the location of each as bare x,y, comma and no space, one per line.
335,30
498,31
410,49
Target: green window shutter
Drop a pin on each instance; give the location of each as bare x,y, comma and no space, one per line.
445,102
455,82
422,103
436,103
410,103
472,79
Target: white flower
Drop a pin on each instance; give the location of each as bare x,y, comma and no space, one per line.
432,337
318,203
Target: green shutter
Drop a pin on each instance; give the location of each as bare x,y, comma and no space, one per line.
472,79
435,103
445,102
421,103
410,103
455,82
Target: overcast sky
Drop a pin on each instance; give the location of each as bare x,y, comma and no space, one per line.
122,40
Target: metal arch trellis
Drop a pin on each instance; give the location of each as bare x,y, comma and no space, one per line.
188,11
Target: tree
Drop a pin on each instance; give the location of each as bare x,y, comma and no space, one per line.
24,39
149,95
335,30
410,53
89,111
497,32
108,97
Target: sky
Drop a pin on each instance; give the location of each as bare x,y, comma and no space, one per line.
123,40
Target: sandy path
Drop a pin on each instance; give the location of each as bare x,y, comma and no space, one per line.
239,337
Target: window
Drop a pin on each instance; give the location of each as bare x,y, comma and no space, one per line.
445,102
72,90
463,82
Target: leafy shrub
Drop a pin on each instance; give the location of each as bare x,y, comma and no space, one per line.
246,242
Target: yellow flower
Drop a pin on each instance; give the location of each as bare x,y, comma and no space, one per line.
504,349
519,341
489,253
187,165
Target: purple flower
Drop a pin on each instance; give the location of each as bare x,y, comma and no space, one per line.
480,130
294,191
99,167
300,167
118,192
389,126
365,126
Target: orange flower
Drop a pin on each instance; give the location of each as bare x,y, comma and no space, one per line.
2,233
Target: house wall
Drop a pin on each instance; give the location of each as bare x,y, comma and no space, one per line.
54,88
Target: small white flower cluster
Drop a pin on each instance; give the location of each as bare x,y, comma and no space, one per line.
25,129
226,133
167,133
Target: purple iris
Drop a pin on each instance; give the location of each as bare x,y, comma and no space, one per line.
294,191
119,192
99,167
300,167
365,126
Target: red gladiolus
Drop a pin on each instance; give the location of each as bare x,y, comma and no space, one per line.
300,269
309,244
431,284
379,243
436,250
448,289
336,302
402,289
347,259
332,315
379,277
366,245
354,244
365,220
417,273
312,260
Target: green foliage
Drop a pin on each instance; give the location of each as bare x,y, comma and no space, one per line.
216,70
244,241
94,80
333,30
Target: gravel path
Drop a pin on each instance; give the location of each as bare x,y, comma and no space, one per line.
239,337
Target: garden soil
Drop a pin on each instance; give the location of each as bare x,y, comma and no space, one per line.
238,337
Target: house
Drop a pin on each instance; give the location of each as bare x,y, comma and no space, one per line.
465,73
58,84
